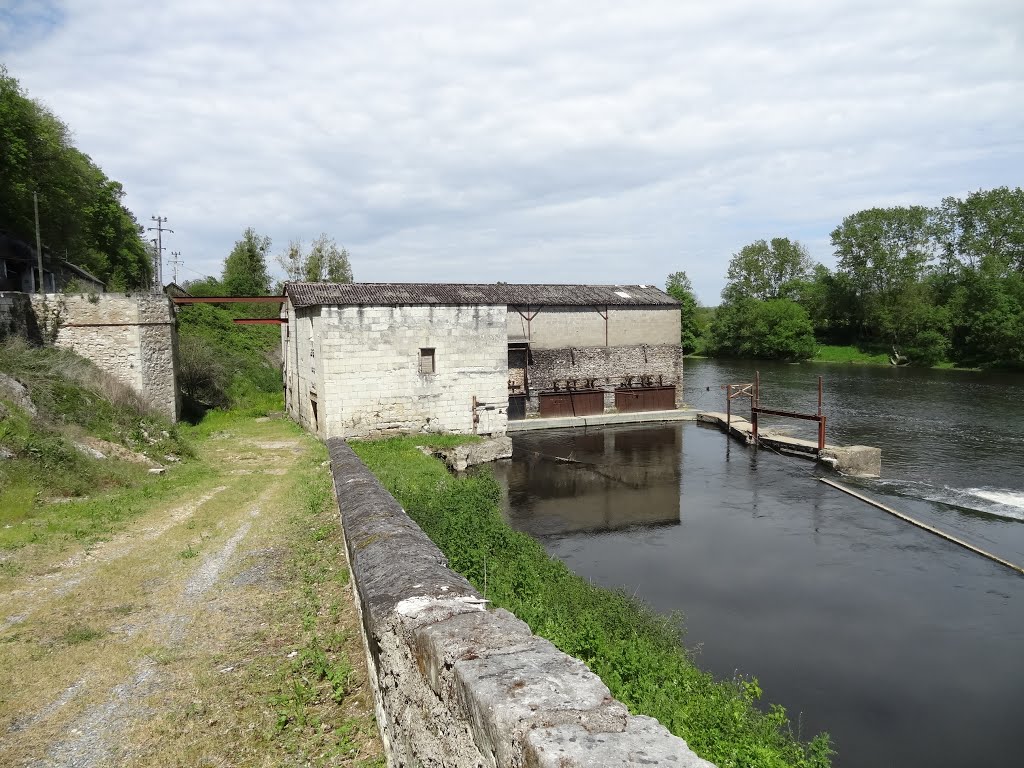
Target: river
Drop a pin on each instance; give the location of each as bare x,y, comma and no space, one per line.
909,650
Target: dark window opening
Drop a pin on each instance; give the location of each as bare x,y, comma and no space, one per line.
427,360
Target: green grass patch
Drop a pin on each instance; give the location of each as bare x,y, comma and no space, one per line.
91,519
81,634
835,353
637,652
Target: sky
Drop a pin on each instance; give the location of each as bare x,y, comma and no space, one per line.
577,141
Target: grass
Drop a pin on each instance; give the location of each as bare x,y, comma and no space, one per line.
266,668
637,652
73,400
835,353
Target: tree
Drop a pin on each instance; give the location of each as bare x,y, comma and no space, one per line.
245,268
884,252
81,214
325,262
778,329
764,270
985,228
678,286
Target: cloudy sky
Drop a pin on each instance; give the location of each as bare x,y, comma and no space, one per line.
556,141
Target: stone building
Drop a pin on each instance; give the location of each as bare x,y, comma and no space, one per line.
372,358
19,270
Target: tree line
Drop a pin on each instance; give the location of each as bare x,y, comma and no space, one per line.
926,285
81,215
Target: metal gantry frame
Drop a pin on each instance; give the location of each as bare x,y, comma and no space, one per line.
753,391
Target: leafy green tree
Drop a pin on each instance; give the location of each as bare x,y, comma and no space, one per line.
778,329
987,228
245,268
768,270
325,262
679,287
884,252
81,214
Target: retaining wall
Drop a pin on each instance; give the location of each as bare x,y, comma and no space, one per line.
458,684
17,317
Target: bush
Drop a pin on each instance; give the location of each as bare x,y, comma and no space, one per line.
778,329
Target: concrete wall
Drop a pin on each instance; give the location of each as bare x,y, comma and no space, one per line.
609,365
363,363
556,327
131,337
458,684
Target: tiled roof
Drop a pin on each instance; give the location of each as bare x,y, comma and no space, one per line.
456,294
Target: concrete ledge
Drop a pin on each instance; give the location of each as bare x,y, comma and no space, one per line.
642,417
458,684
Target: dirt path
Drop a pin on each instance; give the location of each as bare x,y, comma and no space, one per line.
214,630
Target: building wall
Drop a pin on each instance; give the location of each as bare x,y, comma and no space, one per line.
131,337
303,373
557,327
369,380
610,366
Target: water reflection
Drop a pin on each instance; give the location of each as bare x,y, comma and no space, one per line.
902,645
574,482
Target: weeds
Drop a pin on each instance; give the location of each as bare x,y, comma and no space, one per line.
636,651
81,634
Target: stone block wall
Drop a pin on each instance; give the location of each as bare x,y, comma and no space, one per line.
460,685
609,365
17,317
131,337
368,360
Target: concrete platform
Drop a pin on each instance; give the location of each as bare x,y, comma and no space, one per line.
856,460
643,417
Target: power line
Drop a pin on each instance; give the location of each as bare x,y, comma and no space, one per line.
175,262
158,258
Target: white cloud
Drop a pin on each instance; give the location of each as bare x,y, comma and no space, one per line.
555,141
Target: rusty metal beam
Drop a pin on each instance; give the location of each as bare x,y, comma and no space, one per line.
788,414
229,299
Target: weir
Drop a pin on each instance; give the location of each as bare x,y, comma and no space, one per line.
855,460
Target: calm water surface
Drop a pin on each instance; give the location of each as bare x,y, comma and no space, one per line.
907,649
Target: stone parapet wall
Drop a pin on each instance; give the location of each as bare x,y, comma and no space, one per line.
131,337
610,366
458,684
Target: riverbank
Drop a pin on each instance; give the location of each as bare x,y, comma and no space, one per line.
849,354
636,652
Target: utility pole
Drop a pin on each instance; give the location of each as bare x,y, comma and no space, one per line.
158,266
39,243
175,261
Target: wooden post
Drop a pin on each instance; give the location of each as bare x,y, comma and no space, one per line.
755,403
821,421
728,413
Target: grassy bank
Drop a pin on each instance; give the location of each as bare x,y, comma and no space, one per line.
834,353
637,652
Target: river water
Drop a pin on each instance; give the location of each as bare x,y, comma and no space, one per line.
908,649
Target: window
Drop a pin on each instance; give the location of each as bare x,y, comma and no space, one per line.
427,360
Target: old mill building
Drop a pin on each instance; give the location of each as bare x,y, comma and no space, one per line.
365,359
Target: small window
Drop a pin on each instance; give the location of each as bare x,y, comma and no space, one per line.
427,360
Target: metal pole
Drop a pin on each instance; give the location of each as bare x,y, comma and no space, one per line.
728,413
821,421
39,243
755,403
